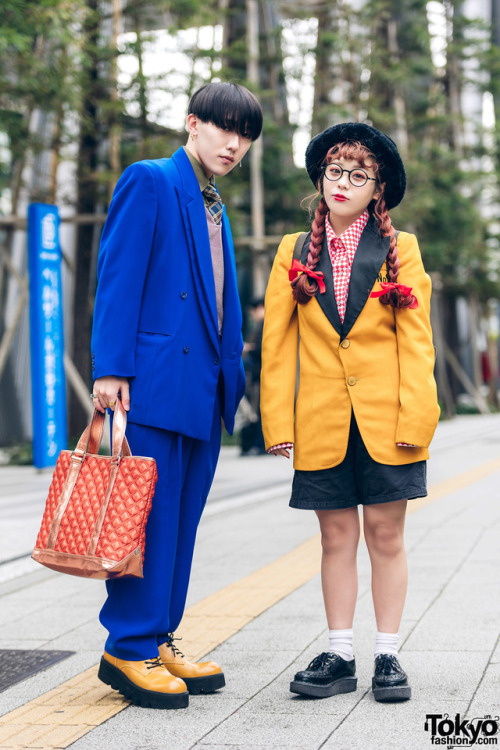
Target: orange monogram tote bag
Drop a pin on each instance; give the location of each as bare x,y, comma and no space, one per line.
94,524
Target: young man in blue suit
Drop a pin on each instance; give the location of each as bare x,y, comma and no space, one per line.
167,341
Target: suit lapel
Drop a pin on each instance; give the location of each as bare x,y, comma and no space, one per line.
327,300
231,327
195,222
371,253
201,258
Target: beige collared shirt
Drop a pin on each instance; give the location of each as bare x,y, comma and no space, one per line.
202,178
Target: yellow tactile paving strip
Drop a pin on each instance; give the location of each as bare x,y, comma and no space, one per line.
455,483
59,717
216,618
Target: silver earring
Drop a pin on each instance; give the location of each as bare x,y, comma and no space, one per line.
241,163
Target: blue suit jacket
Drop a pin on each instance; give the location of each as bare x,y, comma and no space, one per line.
155,316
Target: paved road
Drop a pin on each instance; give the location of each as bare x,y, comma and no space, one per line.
450,630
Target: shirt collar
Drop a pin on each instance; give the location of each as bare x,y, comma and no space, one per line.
351,236
202,178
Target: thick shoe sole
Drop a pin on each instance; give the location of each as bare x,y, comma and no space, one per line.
208,684
392,693
113,677
343,685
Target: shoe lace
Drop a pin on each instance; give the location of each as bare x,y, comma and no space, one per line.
388,663
170,644
322,660
152,663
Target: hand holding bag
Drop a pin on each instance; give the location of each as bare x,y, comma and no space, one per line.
94,524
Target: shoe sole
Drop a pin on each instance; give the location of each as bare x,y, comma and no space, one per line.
208,684
391,694
344,685
113,677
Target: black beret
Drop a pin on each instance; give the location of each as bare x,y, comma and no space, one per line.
392,170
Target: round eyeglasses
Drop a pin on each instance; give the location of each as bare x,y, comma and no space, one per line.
357,177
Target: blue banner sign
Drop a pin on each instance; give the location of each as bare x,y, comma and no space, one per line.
48,387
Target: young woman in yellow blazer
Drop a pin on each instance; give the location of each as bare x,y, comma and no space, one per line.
354,309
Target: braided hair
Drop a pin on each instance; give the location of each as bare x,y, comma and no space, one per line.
303,287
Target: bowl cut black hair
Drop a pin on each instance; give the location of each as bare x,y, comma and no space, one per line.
228,106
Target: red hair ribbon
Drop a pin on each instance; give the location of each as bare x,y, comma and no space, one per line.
297,267
405,291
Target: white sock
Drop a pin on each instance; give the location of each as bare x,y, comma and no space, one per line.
341,643
386,643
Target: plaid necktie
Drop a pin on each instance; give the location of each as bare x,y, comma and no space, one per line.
213,202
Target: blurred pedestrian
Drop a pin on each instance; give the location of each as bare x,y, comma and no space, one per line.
252,439
357,313
167,340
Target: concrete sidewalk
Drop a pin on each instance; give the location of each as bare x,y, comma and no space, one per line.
449,634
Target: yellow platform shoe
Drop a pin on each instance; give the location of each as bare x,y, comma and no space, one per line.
204,677
145,683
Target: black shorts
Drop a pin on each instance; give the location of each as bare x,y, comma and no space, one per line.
358,480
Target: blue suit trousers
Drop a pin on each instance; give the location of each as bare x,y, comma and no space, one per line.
139,612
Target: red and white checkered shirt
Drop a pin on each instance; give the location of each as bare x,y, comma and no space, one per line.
342,251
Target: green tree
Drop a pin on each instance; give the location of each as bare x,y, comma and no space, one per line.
38,59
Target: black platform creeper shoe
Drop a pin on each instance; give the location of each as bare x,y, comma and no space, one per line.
328,674
389,682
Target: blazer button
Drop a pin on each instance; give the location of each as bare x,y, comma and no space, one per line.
184,295
216,361
186,349
345,344
351,380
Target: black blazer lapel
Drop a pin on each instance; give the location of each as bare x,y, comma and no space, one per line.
327,299
370,255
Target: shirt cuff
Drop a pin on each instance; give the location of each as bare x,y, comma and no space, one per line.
280,445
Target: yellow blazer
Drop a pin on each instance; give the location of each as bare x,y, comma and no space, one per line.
379,362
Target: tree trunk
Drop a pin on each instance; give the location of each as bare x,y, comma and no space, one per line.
327,77
257,151
453,76
114,124
87,196
445,394
495,82
400,131
493,331
142,94
474,322
234,58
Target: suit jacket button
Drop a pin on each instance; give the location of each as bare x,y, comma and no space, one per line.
184,295
216,361
345,344
351,380
186,349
